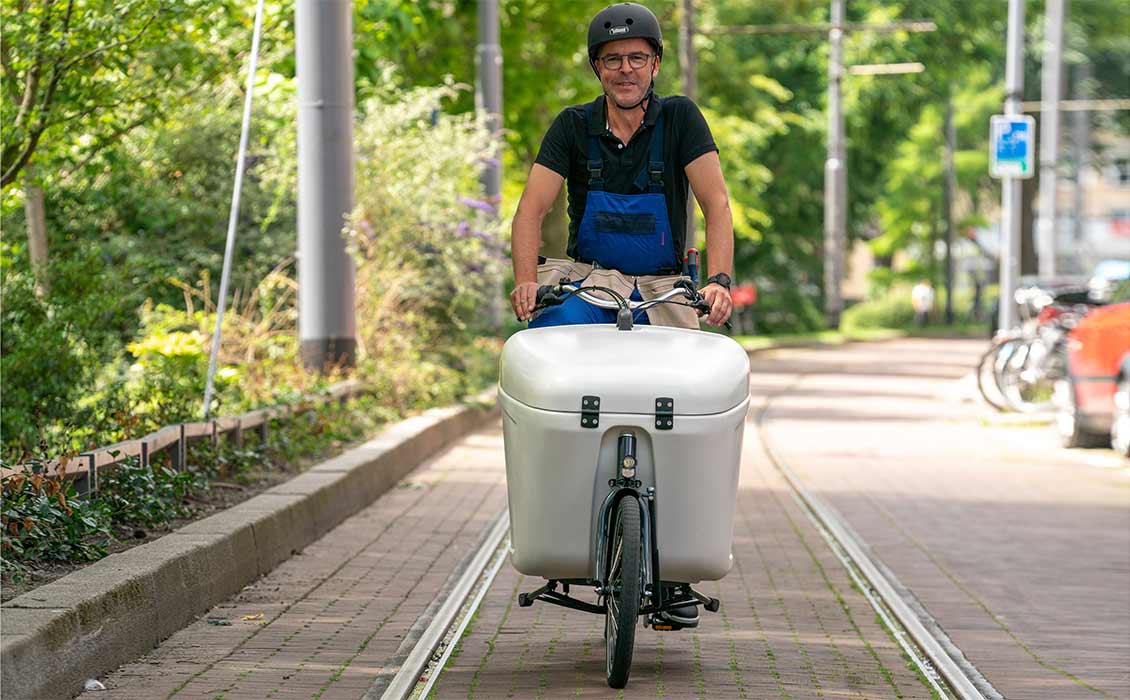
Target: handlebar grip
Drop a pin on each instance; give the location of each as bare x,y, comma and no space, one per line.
547,296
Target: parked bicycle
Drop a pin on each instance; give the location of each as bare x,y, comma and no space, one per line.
1019,370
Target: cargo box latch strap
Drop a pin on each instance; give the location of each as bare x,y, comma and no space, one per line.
590,411
664,413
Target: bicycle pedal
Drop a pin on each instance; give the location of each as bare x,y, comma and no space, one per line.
663,628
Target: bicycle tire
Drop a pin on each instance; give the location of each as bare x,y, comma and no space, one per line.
987,365
1019,393
622,602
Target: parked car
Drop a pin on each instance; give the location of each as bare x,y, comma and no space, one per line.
1093,401
1106,277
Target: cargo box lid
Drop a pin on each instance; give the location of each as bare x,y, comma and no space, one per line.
552,368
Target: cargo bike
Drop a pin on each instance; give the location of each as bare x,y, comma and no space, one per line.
623,443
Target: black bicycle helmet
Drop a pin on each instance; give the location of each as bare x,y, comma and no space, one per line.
625,20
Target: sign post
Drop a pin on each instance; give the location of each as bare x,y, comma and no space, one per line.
1012,145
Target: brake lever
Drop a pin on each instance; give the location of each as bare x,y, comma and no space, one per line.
705,309
688,288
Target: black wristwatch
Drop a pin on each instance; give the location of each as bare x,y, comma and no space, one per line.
721,279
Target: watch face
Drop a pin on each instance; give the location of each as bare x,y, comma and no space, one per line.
722,279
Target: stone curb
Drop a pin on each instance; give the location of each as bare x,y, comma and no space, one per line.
94,620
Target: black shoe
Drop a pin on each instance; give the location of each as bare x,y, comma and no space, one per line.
681,618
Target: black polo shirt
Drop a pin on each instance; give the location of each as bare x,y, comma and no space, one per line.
686,136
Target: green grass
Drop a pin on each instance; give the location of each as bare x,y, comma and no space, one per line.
828,337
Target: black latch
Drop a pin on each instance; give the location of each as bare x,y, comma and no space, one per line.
590,411
664,413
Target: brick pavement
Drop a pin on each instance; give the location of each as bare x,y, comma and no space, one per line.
334,616
1019,548
791,626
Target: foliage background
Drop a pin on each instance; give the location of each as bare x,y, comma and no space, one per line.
133,149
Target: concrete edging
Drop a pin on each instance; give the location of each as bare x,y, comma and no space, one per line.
97,618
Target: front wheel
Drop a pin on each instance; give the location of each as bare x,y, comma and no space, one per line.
622,599
1072,431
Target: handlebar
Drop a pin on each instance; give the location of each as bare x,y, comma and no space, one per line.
554,295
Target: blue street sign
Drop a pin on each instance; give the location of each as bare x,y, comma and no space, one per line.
1012,146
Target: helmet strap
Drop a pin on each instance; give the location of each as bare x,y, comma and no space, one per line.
646,96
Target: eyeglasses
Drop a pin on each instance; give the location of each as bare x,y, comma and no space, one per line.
613,61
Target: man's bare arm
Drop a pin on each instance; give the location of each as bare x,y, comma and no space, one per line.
541,190
709,187
705,176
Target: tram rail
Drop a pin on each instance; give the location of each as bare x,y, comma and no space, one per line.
937,658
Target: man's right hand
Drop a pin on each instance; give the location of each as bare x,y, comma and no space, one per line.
523,298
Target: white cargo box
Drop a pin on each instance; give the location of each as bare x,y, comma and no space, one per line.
557,470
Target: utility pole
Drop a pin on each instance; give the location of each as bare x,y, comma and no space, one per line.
324,62
688,67
1081,148
1010,186
949,190
488,92
488,100
1046,227
835,180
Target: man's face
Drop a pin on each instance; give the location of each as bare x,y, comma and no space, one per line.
627,84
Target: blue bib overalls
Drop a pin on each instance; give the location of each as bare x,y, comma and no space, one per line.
630,233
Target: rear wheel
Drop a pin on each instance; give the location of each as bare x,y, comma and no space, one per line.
1021,380
622,600
1120,425
987,373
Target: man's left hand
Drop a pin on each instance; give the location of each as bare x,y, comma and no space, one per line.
720,303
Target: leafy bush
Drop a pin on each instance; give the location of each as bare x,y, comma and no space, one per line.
428,250
148,497
429,255
44,521
892,310
157,203
53,346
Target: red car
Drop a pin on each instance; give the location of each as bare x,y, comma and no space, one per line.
1094,399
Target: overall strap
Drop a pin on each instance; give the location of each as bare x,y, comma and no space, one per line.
650,178
595,160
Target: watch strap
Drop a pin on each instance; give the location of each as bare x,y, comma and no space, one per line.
721,279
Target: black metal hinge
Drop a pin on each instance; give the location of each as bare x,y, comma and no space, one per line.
590,411
664,413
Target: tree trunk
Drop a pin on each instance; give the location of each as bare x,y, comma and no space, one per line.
555,228
36,233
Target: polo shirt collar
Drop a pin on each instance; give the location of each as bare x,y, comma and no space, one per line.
598,124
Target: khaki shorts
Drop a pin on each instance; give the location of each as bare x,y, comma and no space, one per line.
553,270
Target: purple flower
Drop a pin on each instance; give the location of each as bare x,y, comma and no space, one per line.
477,204
463,229
484,236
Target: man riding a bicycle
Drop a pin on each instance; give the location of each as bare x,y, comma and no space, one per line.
628,157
